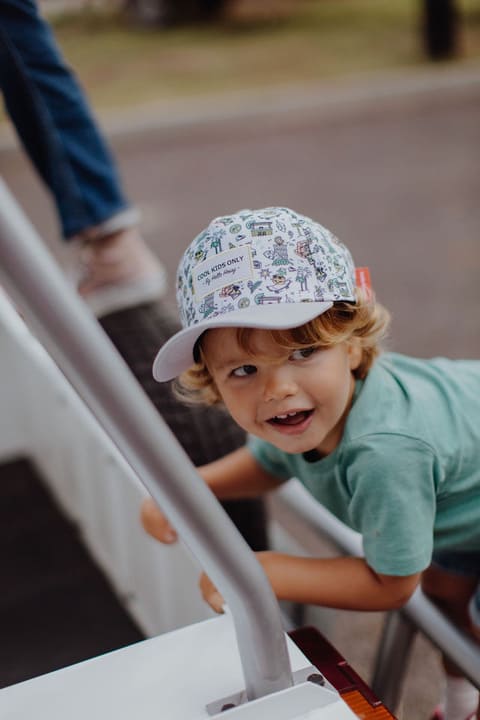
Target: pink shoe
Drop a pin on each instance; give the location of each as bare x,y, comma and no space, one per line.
118,272
438,714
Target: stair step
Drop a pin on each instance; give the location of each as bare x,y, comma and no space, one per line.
56,606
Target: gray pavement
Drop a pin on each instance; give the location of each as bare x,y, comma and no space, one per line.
390,163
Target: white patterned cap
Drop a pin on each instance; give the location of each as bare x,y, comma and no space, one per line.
268,269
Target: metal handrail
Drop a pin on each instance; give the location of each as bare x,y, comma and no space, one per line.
420,612
93,366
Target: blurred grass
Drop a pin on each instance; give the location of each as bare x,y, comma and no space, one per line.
312,40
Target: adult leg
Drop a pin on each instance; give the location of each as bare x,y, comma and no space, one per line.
55,124
59,133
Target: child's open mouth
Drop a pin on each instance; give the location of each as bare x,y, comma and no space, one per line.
292,418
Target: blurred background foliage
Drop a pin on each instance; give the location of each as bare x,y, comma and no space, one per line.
135,52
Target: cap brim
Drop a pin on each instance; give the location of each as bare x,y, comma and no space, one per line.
176,355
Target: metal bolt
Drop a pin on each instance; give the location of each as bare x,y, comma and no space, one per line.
316,678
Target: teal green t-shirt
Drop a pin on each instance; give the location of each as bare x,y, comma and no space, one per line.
406,474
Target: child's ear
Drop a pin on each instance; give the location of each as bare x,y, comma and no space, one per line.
355,352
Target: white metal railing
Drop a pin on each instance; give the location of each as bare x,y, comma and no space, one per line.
418,614
96,370
43,420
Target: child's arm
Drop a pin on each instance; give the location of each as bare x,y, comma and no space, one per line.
236,475
345,583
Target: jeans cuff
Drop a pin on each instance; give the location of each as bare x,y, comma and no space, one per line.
122,220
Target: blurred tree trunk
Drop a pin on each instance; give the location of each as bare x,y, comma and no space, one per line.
440,28
210,9
173,12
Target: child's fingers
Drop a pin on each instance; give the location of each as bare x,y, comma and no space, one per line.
156,523
210,594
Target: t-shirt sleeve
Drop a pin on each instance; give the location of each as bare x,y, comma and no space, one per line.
392,486
271,459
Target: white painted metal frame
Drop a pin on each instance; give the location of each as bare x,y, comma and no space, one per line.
88,359
43,420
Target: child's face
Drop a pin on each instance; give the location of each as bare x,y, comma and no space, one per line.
297,400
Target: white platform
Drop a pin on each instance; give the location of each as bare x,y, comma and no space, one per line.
170,677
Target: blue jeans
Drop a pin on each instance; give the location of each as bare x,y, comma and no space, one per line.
54,122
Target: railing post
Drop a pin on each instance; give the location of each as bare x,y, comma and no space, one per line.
392,657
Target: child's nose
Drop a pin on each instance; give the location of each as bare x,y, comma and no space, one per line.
279,384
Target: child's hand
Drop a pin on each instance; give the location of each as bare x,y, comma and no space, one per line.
156,523
210,594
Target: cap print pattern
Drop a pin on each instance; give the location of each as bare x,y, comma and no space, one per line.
259,257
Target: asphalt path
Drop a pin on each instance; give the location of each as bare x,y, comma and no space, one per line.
391,165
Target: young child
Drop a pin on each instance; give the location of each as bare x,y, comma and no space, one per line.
277,328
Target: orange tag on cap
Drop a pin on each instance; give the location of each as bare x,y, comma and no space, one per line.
363,281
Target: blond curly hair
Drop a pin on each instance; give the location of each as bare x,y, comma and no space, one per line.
366,320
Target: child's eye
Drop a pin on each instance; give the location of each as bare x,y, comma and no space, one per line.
244,370
303,353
